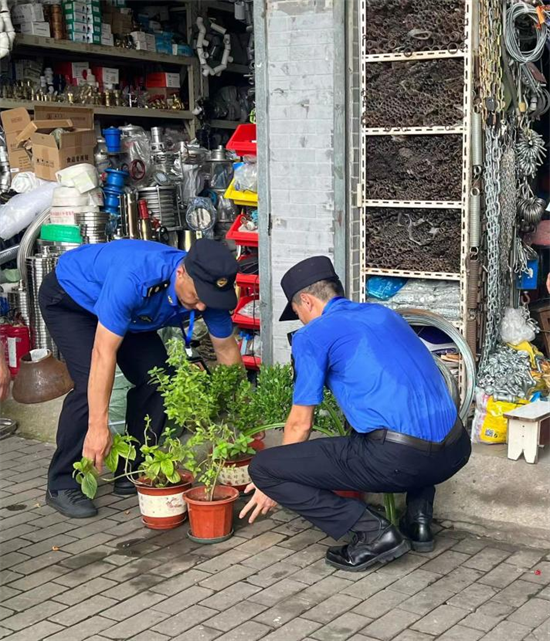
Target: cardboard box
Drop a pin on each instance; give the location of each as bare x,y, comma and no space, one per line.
122,24
161,94
75,147
36,28
27,13
106,29
81,118
106,75
40,125
13,122
144,41
82,7
108,41
72,70
163,80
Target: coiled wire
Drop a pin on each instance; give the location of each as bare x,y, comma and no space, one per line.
512,38
428,319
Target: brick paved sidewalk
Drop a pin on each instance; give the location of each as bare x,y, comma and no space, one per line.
109,578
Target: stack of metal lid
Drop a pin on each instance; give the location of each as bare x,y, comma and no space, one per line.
18,300
161,203
93,226
38,267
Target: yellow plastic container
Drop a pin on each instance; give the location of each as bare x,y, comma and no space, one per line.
243,198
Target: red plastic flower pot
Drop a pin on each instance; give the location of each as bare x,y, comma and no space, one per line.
349,494
211,521
163,508
235,473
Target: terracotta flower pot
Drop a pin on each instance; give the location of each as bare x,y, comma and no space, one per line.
235,473
350,494
163,508
211,521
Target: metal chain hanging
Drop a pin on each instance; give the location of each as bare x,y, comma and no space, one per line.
508,199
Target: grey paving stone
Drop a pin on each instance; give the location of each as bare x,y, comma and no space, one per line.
236,615
48,532
7,593
13,559
487,616
33,597
391,624
314,572
273,573
198,633
81,611
180,582
277,592
542,633
415,581
426,600
507,631
231,595
39,578
446,562
83,592
89,529
227,577
284,611
4,632
283,515
331,608
544,594
501,576
176,603
5,613
531,614
248,531
135,568
151,636
486,559
540,573
78,577
249,631
324,589
470,545
133,586
59,541
295,630
87,543
442,542
84,630
291,528
525,558
440,620
311,554
209,551
12,545
133,605
402,566
131,627
39,562
303,540
473,596
183,621
459,579
36,632
412,635
220,563
261,543
16,531
461,633
268,557
379,604
517,593
342,628
33,615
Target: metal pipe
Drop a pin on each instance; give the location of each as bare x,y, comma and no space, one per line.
27,243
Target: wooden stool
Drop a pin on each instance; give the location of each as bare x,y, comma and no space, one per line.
524,430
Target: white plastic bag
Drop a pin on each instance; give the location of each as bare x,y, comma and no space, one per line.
24,181
22,209
517,326
246,177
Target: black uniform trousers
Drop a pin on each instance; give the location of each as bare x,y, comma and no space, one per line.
301,477
73,330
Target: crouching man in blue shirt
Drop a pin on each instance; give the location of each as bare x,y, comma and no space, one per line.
103,305
406,434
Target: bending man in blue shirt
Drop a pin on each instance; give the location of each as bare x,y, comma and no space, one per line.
406,435
103,305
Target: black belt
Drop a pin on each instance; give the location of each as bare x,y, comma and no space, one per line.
418,443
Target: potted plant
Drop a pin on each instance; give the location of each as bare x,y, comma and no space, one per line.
160,478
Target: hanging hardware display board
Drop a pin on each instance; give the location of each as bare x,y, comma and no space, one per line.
416,88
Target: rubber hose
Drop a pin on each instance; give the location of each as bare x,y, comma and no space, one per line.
423,318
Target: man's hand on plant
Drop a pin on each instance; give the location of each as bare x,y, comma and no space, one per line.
260,503
97,444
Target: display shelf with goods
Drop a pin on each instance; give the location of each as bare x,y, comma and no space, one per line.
414,191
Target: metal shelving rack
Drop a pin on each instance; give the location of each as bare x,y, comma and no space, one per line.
464,129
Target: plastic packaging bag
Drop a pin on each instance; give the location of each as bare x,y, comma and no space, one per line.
25,181
83,177
246,177
383,288
517,326
489,424
22,209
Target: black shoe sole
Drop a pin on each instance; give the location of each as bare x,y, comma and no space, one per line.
425,546
124,491
382,559
66,513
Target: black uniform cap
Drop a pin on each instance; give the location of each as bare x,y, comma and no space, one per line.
305,273
213,270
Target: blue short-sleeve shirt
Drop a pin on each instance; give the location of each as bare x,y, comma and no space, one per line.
113,281
380,372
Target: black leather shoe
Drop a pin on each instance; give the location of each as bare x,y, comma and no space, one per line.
71,503
360,555
417,529
124,487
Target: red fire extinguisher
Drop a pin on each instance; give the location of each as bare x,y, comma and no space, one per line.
19,344
4,326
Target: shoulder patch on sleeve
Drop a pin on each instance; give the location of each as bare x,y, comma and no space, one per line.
155,289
